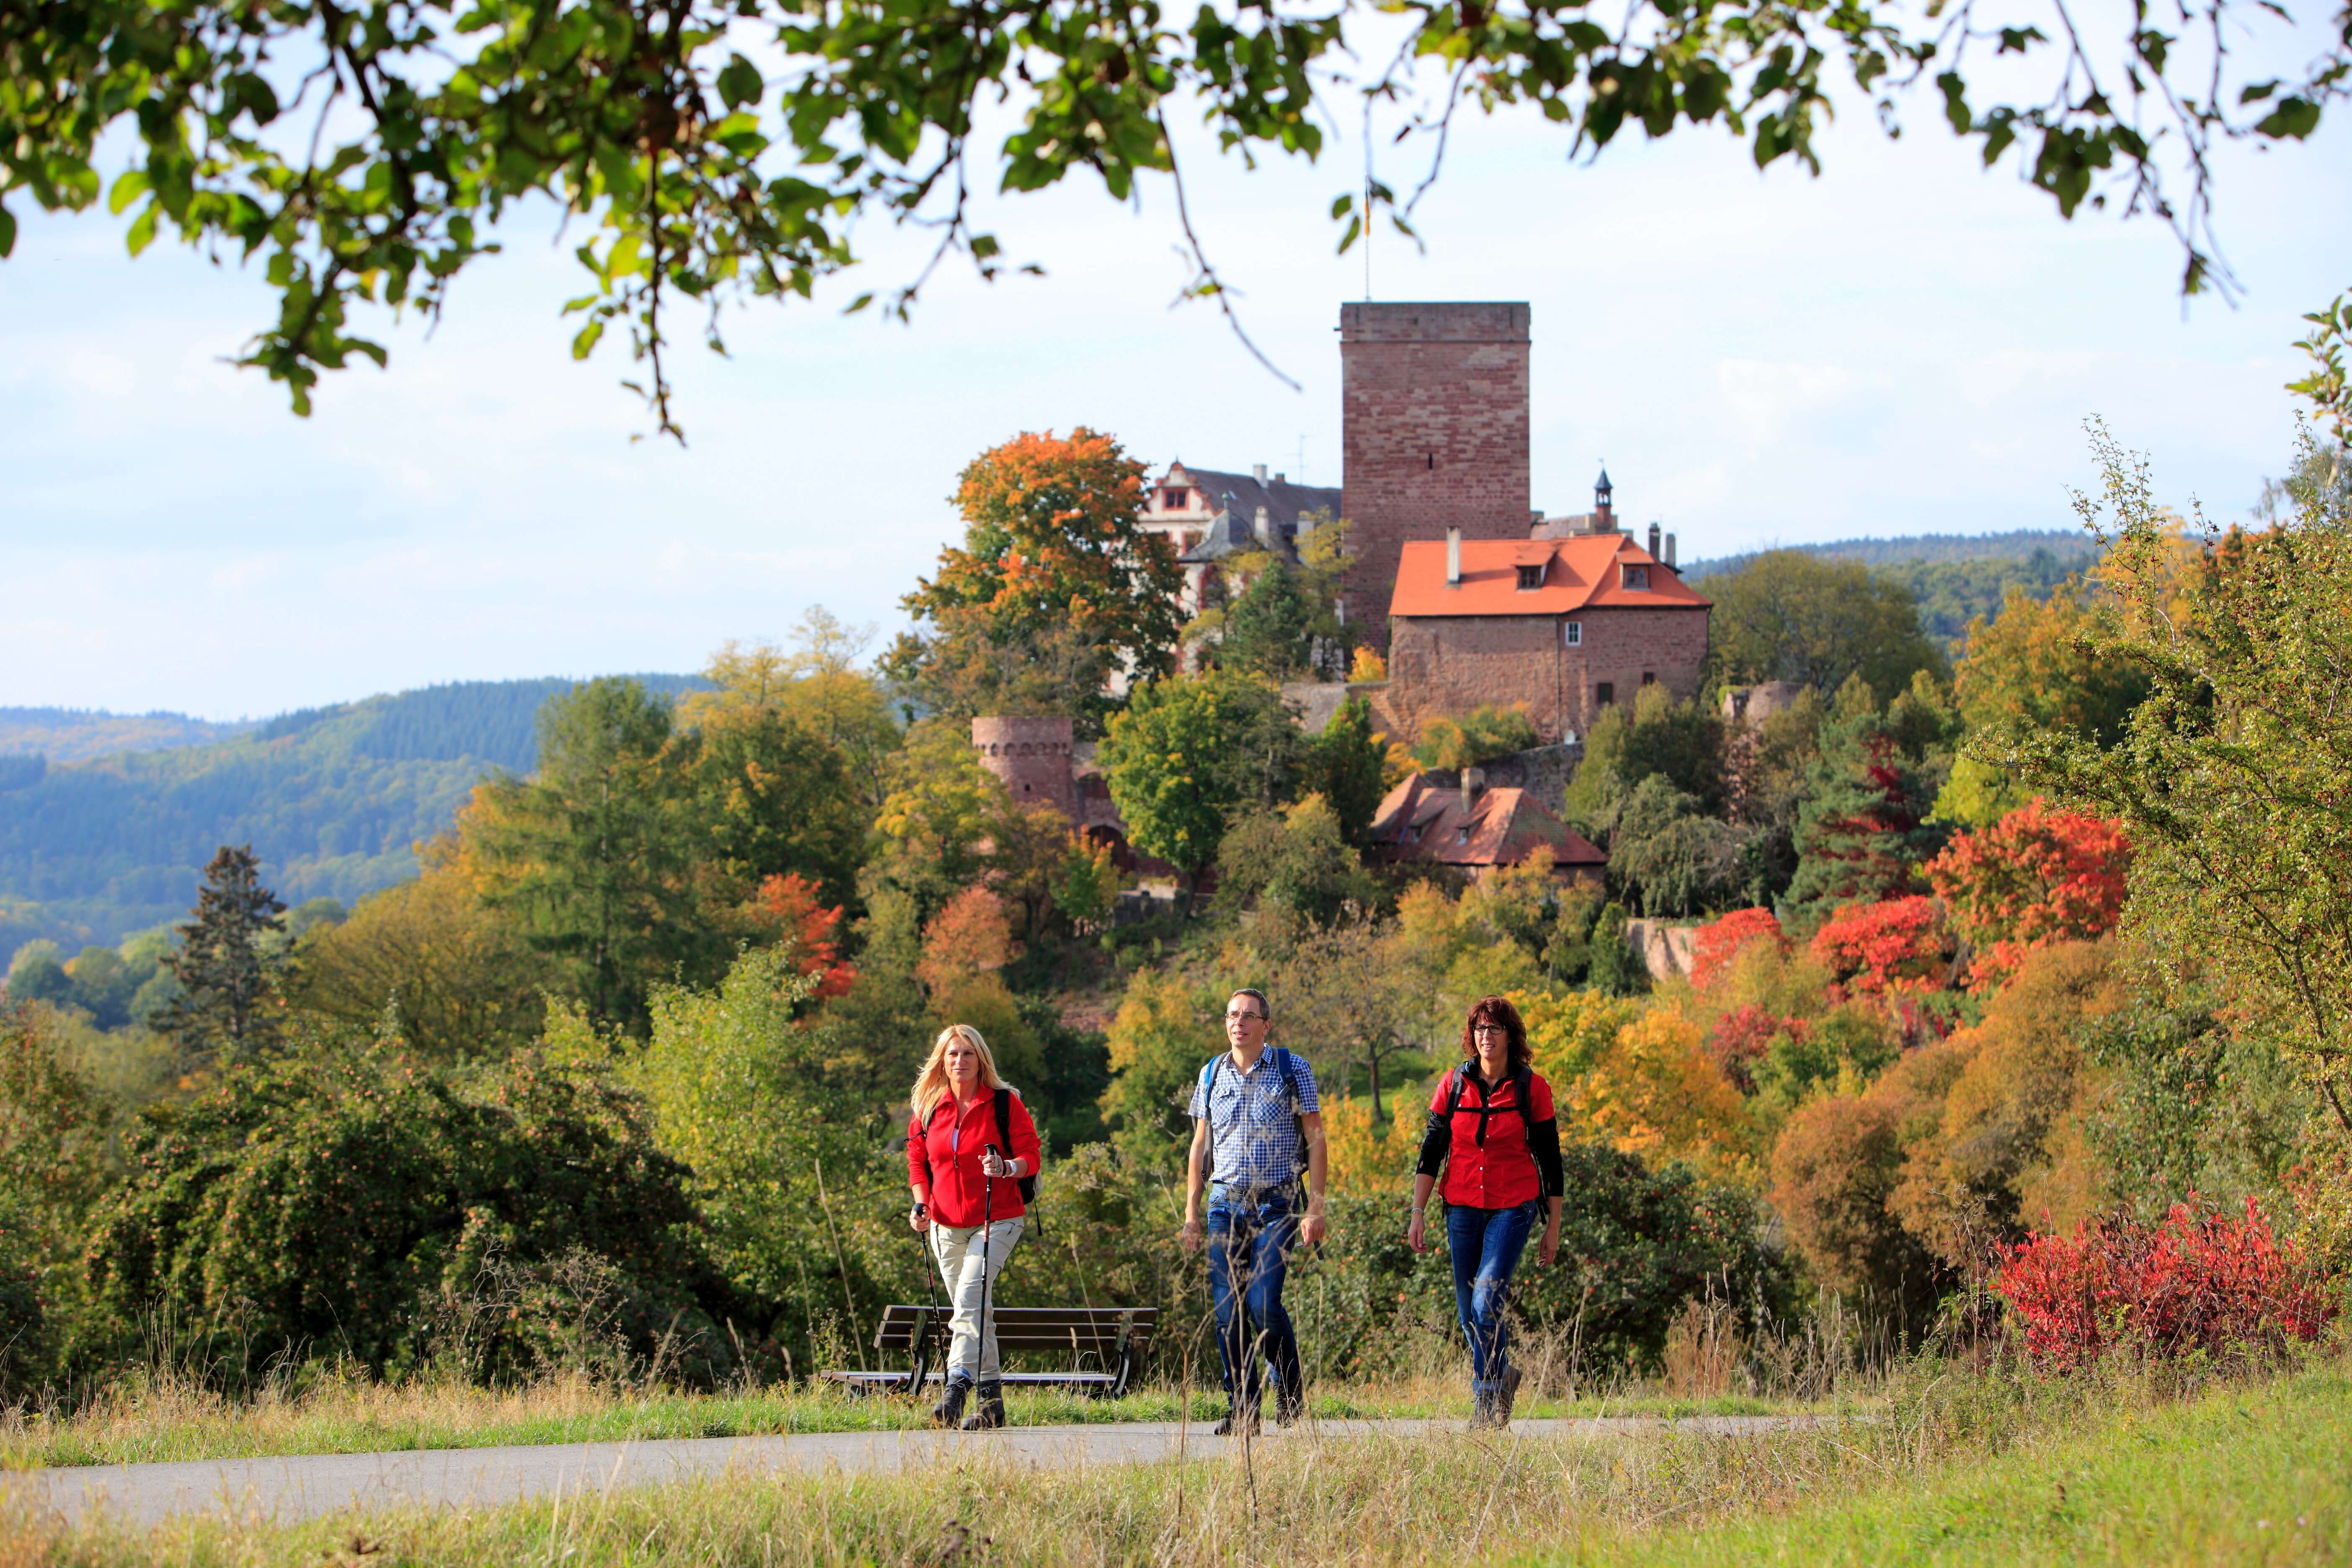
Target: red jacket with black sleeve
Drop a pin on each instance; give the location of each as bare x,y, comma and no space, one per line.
1497,1153
943,1159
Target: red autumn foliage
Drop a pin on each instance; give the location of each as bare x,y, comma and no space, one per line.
1720,942
787,906
2189,1282
1895,945
1740,1038
2034,878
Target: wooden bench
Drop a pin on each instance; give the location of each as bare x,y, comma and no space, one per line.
1106,1346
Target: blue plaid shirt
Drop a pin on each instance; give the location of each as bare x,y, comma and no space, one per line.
1253,1133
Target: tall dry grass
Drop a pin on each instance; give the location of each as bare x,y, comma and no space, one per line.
1863,1485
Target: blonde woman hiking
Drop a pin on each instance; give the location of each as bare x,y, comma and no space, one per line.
972,1161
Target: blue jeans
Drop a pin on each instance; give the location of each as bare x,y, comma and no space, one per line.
1486,1245
1249,1242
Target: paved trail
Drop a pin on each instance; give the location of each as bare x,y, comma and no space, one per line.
303,1486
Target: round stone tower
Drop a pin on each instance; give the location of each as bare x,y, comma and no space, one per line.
1033,756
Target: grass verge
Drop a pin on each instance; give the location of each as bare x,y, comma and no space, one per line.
2112,1467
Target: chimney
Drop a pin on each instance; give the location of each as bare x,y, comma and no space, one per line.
1473,780
1653,542
1670,549
1265,528
1258,472
1454,558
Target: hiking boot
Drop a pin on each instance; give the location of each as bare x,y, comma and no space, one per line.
990,1414
948,1411
1482,1410
1288,1409
1508,1394
1226,1427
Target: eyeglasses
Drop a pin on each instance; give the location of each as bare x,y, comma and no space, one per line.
1230,1017
1489,1029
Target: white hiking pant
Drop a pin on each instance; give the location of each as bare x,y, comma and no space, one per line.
970,1352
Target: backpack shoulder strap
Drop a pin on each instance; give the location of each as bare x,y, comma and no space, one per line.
1454,1082
1004,1119
1525,1082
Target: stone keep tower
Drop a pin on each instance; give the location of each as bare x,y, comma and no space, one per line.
1033,756
1434,434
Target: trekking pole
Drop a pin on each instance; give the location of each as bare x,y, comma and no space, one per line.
931,1291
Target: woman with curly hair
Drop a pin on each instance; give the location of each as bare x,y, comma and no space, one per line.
1493,1129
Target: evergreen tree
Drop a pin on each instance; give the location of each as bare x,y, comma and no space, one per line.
591,854
228,1001
1270,629
1863,833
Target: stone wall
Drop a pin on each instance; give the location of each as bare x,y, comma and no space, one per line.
1442,667
1663,950
1434,434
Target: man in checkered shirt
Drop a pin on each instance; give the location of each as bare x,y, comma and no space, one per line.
1258,1127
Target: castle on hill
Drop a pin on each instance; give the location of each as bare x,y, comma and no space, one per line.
1476,598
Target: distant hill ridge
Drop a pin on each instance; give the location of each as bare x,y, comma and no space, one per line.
332,798
2018,545
75,734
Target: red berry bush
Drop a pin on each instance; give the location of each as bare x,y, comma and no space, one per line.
2192,1281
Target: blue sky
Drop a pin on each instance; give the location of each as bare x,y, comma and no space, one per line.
1907,344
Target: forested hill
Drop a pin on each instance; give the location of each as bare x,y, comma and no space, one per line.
1954,576
332,798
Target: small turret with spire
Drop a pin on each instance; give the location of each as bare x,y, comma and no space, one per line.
1604,515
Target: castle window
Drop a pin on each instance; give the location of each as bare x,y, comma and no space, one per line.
1635,577
1605,693
1530,577
1572,634
1649,677
1176,499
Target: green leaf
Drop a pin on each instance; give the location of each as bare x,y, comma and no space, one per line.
142,229
739,82
584,343
8,230
127,188
2293,118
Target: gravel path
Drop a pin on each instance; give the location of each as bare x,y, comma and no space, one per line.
303,1486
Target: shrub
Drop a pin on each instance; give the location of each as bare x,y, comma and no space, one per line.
1479,736
1636,1243
2192,1283
1720,942
1740,1038
1835,1170
364,1201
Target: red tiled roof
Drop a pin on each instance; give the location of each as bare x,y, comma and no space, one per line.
1422,821
1579,574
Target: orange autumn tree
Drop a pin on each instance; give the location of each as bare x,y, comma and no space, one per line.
1055,586
1891,946
2034,878
788,907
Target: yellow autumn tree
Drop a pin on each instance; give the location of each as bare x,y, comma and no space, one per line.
1369,1158
1652,1092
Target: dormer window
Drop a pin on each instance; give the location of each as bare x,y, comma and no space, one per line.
1531,577
1176,499
1636,578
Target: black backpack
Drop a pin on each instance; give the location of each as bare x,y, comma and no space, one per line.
1289,1081
1522,1101
1028,1183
